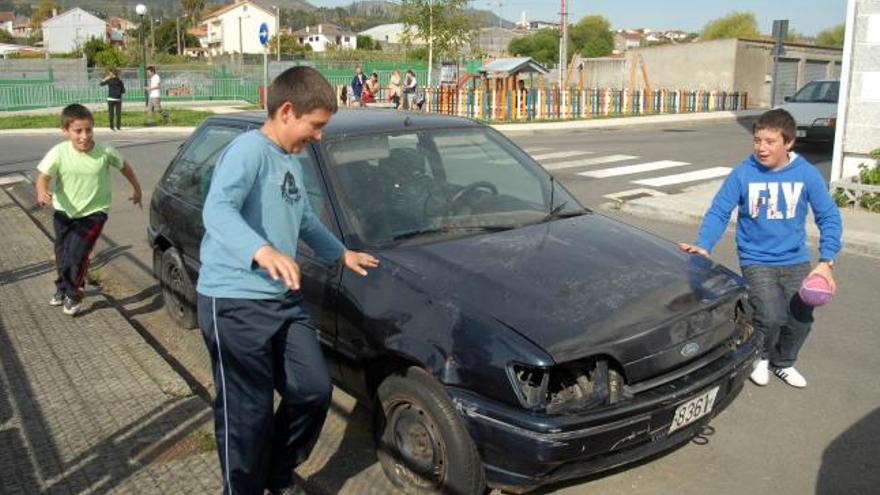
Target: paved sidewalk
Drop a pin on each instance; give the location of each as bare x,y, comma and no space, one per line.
86,405
861,230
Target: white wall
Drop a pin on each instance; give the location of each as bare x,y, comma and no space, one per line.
251,18
66,33
858,130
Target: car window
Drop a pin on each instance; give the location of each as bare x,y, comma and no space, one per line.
442,182
190,176
818,92
313,187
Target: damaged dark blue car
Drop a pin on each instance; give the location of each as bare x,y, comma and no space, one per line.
510,337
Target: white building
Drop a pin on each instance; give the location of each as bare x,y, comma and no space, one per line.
6,20
70,30
235,28
324,35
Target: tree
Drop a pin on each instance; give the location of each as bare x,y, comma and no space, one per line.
367,43
6,36
543,46
591,37
444,21
193,9
832,36
794,36
166,37
733,25
44,11
92,47
289,45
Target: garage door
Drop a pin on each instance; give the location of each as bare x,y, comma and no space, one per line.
786,79
815,69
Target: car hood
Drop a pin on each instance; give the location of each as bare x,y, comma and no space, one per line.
805,113
576,286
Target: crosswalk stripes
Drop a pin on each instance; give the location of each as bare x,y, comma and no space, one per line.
601,160
560,154
633,169
668,180
576,163
534,150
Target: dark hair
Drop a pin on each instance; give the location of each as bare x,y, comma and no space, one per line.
75,111
305,88
152,68
779,120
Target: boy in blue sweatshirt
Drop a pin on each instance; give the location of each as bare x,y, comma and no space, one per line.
772,189
250,308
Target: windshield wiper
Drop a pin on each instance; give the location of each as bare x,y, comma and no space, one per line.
450,228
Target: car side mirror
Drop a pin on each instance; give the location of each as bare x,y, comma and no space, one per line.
787,99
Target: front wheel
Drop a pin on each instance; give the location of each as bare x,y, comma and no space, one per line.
420,440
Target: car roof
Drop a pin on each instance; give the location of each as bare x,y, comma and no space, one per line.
348,122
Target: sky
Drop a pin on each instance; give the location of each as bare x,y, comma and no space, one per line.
806,16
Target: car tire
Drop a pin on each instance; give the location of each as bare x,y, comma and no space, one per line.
421,442
178,293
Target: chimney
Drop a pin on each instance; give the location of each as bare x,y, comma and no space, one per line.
54,12
320,28
308,29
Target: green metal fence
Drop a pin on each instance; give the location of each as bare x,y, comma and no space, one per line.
45,95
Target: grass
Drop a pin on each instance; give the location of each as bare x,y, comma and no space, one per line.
130,118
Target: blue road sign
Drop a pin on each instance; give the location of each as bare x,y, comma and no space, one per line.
264,34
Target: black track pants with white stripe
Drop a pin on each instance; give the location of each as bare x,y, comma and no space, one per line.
258,346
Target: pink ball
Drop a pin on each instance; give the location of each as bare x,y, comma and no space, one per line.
815,290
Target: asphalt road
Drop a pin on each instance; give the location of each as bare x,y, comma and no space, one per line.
824,439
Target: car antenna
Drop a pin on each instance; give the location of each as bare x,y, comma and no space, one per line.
552,190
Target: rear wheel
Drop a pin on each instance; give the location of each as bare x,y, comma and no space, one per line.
177,290
421,443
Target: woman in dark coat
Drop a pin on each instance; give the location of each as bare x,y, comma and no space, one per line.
115,89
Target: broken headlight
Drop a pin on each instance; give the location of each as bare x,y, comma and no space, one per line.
574,386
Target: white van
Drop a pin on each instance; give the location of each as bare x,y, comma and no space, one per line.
814,108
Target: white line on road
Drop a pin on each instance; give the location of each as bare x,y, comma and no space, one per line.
668,180
587,161
642,191
560,154
633,169
536,150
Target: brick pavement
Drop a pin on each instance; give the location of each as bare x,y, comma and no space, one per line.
86,405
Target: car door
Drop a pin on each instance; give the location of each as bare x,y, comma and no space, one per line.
187,183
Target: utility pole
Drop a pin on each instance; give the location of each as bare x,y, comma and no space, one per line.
430,40
278,33
563,45
179,48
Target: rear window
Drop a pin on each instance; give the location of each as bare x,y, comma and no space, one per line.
190,176
818,92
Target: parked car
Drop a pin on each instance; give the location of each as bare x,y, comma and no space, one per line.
814,108
510,336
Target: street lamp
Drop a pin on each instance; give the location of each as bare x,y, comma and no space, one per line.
278,33
141,10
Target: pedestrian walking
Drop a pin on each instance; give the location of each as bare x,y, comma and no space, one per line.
410,86
115,90
154,92
81,196
394,88
250,307
772,189
357,84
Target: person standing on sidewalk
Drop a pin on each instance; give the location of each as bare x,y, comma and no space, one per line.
154,92
250,307
81,197
772,189
115,90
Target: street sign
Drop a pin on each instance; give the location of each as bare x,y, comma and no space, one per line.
264,34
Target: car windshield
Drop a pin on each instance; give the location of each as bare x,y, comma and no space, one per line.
427,184
818,92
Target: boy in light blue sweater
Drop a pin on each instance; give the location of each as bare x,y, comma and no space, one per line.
250,309
772,189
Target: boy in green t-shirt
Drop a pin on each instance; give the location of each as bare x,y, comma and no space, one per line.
81,198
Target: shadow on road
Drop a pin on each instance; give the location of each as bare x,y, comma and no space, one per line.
851,463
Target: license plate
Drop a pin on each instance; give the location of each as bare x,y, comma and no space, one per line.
693,409
800,133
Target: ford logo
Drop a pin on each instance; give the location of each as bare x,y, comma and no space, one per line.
690,349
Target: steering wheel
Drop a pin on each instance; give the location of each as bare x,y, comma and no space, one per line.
461,195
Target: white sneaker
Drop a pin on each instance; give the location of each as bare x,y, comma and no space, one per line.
761,374
791,376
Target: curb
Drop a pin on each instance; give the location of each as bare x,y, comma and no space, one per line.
524,127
